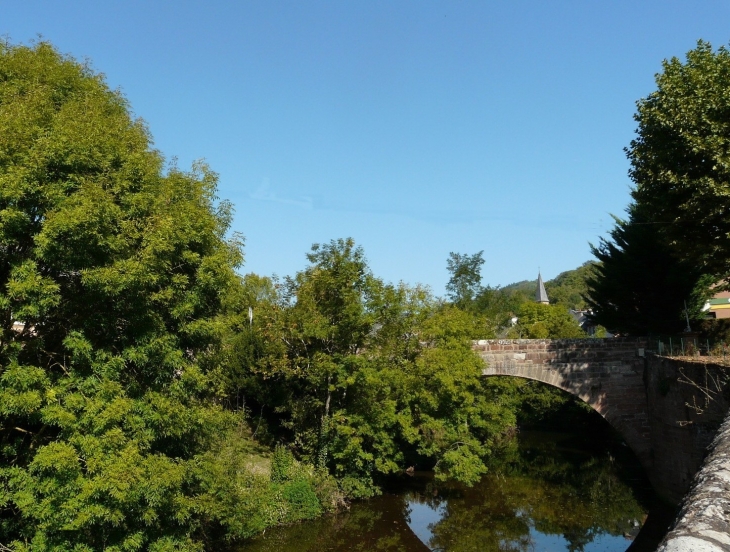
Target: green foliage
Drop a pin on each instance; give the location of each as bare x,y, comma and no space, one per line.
563,491
676,240
457,418
527,288
492,311
569,289
282,463
497,306
533,489
465,281
679,157
537,321
301,500
366,379
494,307
240,498
109,428
640,287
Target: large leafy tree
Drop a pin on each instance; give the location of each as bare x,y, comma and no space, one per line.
112,271
680,161
569,288
465,282
367,379
676,240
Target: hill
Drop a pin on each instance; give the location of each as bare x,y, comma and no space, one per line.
567,288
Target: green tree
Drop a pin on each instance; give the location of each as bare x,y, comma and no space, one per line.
372,378
465,281
679,159
116,270
537,321
330,316
497,306
570,288
640,287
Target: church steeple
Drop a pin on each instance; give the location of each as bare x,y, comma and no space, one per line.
541,295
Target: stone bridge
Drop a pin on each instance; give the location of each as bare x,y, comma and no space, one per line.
668,410
605,373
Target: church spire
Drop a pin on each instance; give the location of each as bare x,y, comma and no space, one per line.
541,295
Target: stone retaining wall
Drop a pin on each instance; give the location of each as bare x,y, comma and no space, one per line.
703,524
687,402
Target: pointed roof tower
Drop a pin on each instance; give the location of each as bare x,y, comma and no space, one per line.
541,295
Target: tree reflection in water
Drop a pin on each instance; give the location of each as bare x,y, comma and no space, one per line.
545,494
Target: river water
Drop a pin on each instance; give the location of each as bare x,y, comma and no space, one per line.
548,492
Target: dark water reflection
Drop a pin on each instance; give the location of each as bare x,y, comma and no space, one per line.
548,492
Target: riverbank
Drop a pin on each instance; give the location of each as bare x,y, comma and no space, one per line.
547,489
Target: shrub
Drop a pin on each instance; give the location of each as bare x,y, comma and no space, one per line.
301,500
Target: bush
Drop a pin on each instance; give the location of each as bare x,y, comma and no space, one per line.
282,463
301,500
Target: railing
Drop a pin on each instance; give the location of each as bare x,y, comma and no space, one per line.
674,346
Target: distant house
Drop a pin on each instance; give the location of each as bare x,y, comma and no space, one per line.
718,306
20,327
584,320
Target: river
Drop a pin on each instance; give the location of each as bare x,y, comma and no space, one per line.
547,492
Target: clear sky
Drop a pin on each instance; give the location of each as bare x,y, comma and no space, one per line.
417,128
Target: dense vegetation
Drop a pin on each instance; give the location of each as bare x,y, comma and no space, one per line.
365,378
134,387
674,243
151,398
114,277
557,490
511,311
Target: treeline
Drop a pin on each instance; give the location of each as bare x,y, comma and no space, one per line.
151,398
361,377
141,399
117,293
672,250
511,311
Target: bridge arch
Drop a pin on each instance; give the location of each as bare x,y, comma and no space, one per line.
605,373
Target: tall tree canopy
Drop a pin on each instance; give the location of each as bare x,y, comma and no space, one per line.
676,240
112,272
367,379
679,159
569,288
537,321
640,287
465,281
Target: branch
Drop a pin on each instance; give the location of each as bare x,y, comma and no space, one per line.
457,444
705,389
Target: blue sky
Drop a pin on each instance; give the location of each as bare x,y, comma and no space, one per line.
417,128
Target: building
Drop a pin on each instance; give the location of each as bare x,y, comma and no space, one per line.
718,306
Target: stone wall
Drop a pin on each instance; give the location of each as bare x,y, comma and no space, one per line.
703,524
687,402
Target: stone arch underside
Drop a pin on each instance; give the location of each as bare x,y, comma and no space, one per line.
607,374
